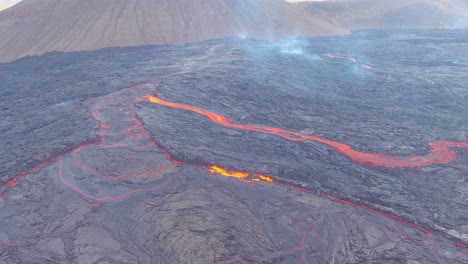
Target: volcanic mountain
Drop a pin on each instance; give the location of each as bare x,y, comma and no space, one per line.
406,14
34,27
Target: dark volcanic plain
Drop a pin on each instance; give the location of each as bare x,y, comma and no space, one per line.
94,173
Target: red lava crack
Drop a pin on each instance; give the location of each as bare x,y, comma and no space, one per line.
119,128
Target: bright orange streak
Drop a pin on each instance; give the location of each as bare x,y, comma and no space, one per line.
440,152
265,178
228,173
222,120
11,182
458,244
241,175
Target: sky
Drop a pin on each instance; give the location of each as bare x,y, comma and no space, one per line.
7,3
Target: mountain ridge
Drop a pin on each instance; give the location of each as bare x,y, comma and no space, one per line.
397,14
34,27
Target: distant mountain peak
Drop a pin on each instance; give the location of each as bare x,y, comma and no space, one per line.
409,14
34,27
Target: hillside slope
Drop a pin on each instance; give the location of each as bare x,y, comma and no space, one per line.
34,27
407,14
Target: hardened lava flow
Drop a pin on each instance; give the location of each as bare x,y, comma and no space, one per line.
353,60
123,138
440,154
121,134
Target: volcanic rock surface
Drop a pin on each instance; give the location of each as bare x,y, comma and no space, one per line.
409,14
34,27
102,163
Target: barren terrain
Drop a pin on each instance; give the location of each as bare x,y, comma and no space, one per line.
34,27
328,150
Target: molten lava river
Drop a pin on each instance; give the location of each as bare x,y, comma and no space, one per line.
124,199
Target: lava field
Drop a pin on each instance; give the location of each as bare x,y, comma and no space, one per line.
349,149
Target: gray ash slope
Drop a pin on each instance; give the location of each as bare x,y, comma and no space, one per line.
416,94
34,27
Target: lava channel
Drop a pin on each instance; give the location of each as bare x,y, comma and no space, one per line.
125,152
91,169
440,153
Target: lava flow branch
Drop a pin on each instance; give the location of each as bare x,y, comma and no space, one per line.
123,139
125,152
126,147
440,150
439,154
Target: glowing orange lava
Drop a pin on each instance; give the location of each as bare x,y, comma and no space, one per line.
228,173
461,245
440,150
440,154
241,175
136,136
128,133
11,182
265,178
